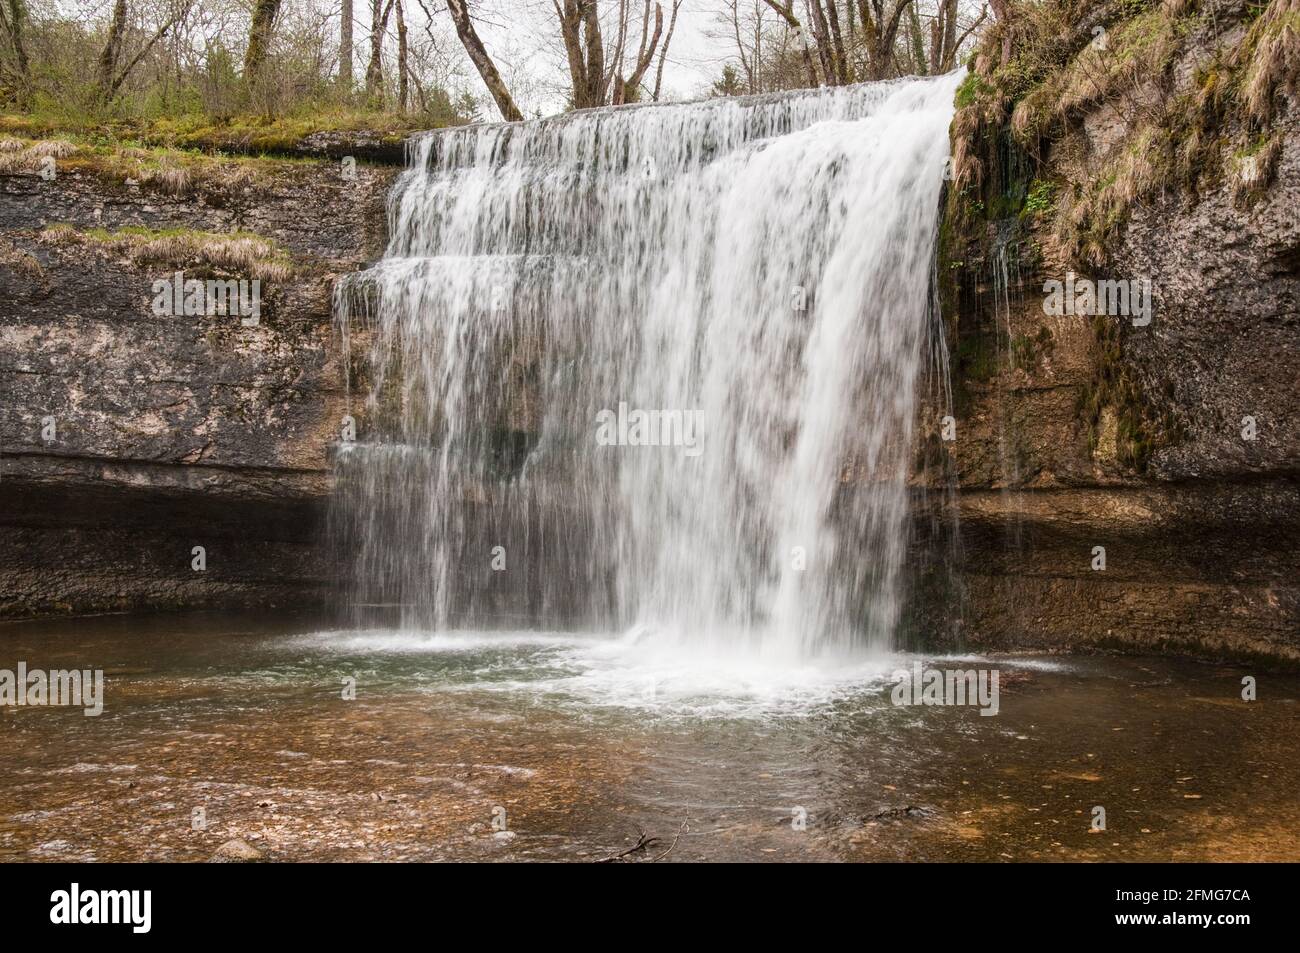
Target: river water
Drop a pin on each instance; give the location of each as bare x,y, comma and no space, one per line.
576,743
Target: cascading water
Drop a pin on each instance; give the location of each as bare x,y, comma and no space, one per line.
758,270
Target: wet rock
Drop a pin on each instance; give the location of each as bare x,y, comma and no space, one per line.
897,813
236,851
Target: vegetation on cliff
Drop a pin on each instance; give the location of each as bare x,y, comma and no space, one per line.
241,252
1153,128
1076,112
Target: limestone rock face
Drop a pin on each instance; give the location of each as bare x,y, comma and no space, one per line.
130,437
1187,476
1226,344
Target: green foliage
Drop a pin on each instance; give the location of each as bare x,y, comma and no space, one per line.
195,96
730,83
1041,198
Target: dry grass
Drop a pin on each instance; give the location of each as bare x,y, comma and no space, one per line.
21,261
58,148
1160,131
1271,56
247,255
18,157
1090,216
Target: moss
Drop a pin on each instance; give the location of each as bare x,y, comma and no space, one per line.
242,134
977,358
1028,351
1140,429
972,89
175,172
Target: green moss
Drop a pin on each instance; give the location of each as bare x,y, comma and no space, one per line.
196,131
1140,430
977,357
972,90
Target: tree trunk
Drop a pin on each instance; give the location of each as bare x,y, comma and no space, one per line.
259,40
403,89
663,52
17,22
919,64
161,32
594,44
1002,13
379,14
345,48
825,52
482,62
112,49
645,53
843,69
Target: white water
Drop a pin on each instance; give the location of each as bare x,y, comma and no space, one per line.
539,273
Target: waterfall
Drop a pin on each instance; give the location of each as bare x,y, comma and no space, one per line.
650,368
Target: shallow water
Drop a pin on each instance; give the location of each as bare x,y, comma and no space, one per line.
581,741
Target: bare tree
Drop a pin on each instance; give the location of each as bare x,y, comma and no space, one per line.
1002,12
945,41
598,75
880,25
663,52
786,12
110,78
112,49
478,55
644,56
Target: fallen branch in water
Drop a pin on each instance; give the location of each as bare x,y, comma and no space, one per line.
642,842
678,837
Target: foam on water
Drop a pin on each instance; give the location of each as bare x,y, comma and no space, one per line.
665,679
